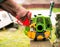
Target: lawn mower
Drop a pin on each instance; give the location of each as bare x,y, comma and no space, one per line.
40,27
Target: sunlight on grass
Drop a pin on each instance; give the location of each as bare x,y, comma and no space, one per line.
53,36
14,39
54,9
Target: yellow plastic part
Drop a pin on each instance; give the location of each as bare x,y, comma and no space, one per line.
31,34
33,24
47,34
40,37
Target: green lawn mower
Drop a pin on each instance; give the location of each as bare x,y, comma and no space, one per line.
40,27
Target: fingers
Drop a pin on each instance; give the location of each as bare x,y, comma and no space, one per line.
29,15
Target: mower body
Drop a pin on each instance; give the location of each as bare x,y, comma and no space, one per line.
40,28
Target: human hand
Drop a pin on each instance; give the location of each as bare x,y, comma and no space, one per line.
25,19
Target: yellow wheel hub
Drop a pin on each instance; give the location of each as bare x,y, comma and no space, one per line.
40,37
31,34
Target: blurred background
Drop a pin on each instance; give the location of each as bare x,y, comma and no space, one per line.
37,3
17,38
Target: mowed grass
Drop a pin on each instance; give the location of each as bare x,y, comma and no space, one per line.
14,39
53,36
54,9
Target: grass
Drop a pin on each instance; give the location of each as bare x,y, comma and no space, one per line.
17,38
53,36
14,39
54,9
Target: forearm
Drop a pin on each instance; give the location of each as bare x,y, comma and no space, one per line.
13,8
17,11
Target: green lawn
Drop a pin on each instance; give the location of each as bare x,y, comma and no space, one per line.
54,9
14,39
